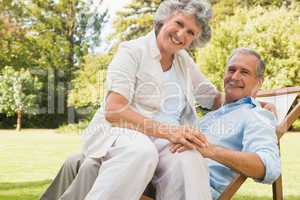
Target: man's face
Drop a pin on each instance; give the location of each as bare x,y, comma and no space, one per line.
240,78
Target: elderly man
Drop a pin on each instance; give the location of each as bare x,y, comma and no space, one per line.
241,139
241,134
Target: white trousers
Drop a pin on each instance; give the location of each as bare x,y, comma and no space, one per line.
129,166
181,176
135,159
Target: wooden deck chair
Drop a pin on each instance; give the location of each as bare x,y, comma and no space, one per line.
288,110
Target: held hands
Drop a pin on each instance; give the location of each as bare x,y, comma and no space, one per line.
184,138
206,152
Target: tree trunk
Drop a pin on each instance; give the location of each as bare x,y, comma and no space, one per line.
19,118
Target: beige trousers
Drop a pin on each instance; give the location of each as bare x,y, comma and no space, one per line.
126,171
74,179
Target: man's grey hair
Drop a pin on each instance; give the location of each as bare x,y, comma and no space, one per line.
200,9
260,66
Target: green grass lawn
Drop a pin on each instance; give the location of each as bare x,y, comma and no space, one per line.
31,158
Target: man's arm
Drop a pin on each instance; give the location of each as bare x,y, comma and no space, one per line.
246,163
259,156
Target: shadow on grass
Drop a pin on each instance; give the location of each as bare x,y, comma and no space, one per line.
20,197
33,190
23,190
247,197
23,185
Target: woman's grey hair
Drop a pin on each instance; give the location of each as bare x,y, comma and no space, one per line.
201,9
260,66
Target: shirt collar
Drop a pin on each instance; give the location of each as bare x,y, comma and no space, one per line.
154,50
245,100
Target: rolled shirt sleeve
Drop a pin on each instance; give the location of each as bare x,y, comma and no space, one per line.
260,138
121,73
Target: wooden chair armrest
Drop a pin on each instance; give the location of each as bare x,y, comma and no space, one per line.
232,187
281,91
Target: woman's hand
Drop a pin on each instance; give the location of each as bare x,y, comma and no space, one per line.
206,152
188,137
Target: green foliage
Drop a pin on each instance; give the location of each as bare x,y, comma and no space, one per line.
18,91
73,128
296,125
273,33
88,86
16,49
253,3
212,58
277,3
134,20
223,9
49,36
64,29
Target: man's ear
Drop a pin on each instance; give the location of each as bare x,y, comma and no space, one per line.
260,82
257,87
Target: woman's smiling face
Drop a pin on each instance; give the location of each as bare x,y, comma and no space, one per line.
177,32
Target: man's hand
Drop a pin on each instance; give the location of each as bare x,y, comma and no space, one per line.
270,107
187,137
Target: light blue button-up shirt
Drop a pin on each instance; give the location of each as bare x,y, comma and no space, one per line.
241,126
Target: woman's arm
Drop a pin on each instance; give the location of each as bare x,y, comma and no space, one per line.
119,112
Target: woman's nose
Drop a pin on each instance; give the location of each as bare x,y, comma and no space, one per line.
181,34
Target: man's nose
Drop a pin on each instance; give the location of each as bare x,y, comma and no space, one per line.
236,75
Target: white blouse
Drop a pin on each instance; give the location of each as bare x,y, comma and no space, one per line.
136,74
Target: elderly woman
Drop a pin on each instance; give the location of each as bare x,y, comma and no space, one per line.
152,83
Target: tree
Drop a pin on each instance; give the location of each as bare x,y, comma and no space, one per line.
88,86
49,36
134,20
72,25
273,33
16,49
18,93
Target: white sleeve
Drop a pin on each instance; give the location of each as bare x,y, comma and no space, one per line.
121,73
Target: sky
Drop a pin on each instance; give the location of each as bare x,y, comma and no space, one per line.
113,6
